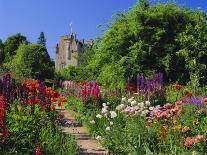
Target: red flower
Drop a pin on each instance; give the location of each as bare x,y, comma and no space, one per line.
148,123
37,101
178,87
61,116
59,104
62,99
55,94
188,94
38,150
52,109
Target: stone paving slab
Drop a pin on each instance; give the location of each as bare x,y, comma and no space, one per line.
87,145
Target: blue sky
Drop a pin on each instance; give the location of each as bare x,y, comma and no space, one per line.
53,17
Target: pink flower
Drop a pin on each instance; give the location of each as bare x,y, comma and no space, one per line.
190,141
167,106
185,129
200,137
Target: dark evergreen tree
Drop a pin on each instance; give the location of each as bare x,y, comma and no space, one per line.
42,40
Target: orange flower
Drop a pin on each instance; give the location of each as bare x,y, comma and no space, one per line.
37,86
178,87
48,90
163,133
188,94
30,87
62,100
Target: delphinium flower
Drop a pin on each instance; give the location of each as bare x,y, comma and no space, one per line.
146,87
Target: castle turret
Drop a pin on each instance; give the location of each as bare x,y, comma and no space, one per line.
67,51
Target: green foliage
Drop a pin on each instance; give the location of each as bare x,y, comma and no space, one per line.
28,131
1,52
31,61
72,73
42,40
163,37
12,44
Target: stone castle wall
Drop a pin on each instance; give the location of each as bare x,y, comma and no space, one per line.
67,51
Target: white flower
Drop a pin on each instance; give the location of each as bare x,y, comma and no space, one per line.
133,103
141,104
144,112
98,138
104,110
147,103
99,116
92,122
113,114
131,99
104,104
151,108
108,103
108,128
120,107
111,123
123,99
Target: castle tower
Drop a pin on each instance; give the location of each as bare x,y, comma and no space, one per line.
67,51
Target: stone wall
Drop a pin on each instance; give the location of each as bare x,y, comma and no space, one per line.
67,51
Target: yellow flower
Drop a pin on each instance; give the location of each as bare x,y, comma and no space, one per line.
174,121
179,126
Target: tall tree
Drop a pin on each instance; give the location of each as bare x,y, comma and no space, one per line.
1,52
42,40
162,37
31,61
12,44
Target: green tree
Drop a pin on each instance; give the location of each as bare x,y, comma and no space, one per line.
1,52
31,61
149,38
12,44
42,40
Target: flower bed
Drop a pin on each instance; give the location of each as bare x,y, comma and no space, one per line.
172,121
28,121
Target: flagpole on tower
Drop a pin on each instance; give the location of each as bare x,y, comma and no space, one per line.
71,29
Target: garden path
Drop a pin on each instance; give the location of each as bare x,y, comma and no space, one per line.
87,145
